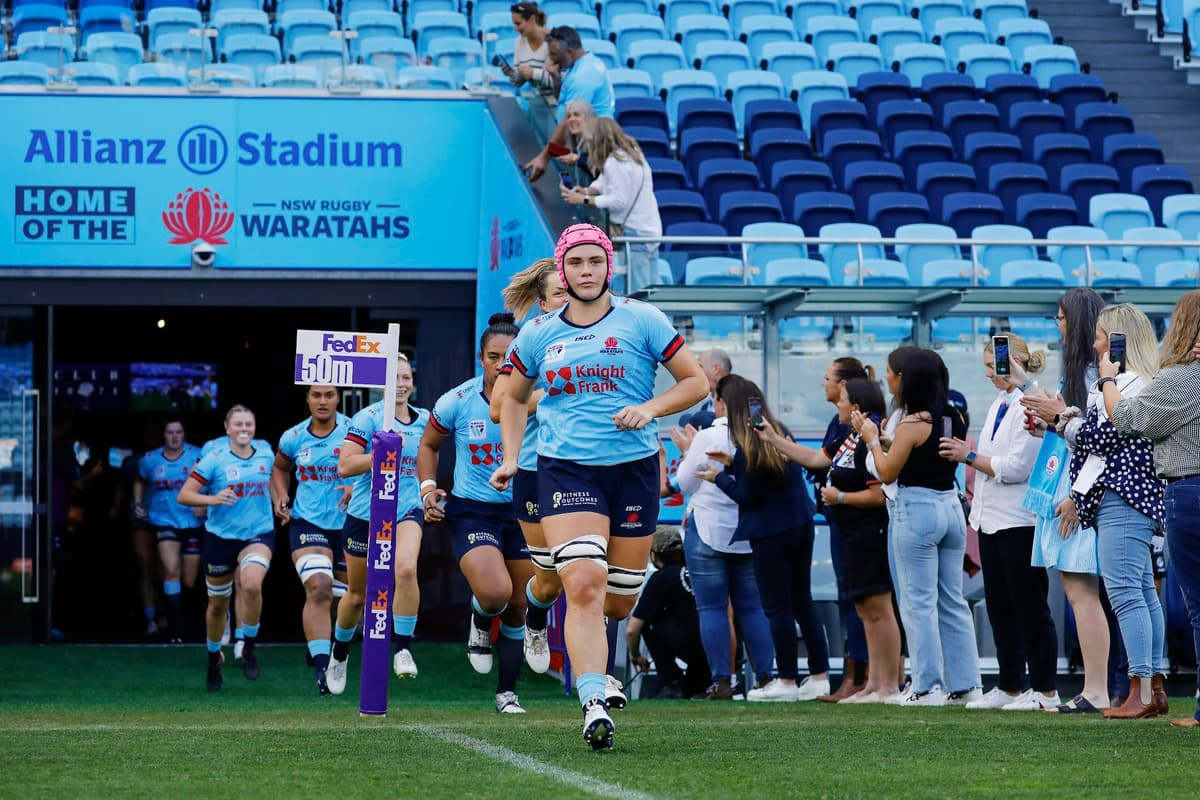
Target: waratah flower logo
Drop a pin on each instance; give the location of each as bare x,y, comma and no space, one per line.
199,215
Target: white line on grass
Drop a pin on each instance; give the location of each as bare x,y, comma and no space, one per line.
575,780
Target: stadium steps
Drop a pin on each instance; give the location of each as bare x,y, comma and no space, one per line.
1158,96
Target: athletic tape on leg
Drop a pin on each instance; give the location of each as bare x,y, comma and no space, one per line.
541,558
219,590
313,564
592,547
625,581
339,588
255,559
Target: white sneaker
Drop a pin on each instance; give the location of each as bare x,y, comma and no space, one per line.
335,674
537,649
403,665
776,691
479,648
238,648
964,697
994,698
613,696
934,698
597,725
810,689
508,703
901,697
1029,700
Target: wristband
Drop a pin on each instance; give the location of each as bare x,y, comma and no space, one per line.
1100,383
428,483
841,498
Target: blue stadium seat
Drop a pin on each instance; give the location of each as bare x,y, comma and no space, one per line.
994,12
121,50
962,117
161,21
1118,212
693,29
814,210
586,24
696,91
1158,181
556,8
891,32
1011,180
237,21
255,51
760,30
698,144
1085,181
24,73
604,50
884,272
984,150
843,258
845,146
1047,60
1071,89
1177,274
95,73
181,49
286,6
631,83
740,10
792,178
676,206
679,10
388,53
667,173
656,57
1181,212
867,11
914,148
295,24
1124,151
1074,258
157,74
456,54
759,255
107,19
1148,259
1057,150
771,113
480,11
626,29
714,271
745,86
786,59
51,49
1030,120
874,88
930,11
642,112
915,61
897,116
739,209
612,9
992,256
1115,274
796,272
429,26
937,179
368,77
677,254
947,87
890,210
653,141
719,176
1031,273
866,178
981,61
953,33
1006,89
421,77
810,88
1021,32
500,23
831,115
772,145
35,17
802,11
917,254
826,31
947,272
965,211
854,59
723,58
1042,211
149,5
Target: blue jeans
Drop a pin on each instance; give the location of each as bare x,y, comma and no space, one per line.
1124,544
1183,542
717,579
930,538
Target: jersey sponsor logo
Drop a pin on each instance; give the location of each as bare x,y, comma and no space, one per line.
587,337
477,429
559,382
574,499
555,352
611,346
482,537
486,454
531,508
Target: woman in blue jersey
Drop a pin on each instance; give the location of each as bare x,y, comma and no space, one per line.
354,463
536,286
235,484
160,476
311,449
487,541
598,477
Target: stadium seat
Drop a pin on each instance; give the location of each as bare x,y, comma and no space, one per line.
1011,180
1031,273
586,24
626,29
389,53
896,116
948,272
630,83
740,10
1117,212
642,112
1019,33
1085,181
121,50
984,150
1028,120
1158,181
1047,60
604,50
678,253
1115,274
667,173
616,8
853,59
947,87
89,73
157,74
693,29
325,53
255,51
1041,211
1057,150
994,12
842,147
802,11
723,58
285,6
968,116
1006,89
916,254
880,272
843,258
160,21
825,31
693,100
758,31
699,144
874,88
107,19
1074,258
914,148
993,256
814,210
1181,212
1178,275
1124,151
810,88
981,61
865,12
556,8
656,57
295,24
936,179
758,255
429,26
796,272
1097,121
888,33
24,73
500,23
771,114
653,141
785,59
234,76
1148,259
792,178
930,11
865,178
772,145
675,206
965,211
890,210
719,176
52,49
239,21
182,49
746,86
1072,89
739,209
679,10
831,115
954,33
367,77
424,77
714,271
916,61
35,17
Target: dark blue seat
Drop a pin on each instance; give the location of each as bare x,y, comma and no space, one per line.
845,146
1124,151
792,178
1029,119
705,112
966,211
769,146
1157,181
680,205
653,141
936,179
873,88
831,115
1057,150
642,112
1041,211
983,150
865,178
1097,121
739,209
897,116
1007,88
1084,181
678,254
768,114
914,148
1011,180
719,176
814,210
106,19
889,210
1071,89
667,173
699,144
969,116
941,88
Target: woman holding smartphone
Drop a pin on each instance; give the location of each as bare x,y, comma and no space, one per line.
531,50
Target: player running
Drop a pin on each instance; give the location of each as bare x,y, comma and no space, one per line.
354,464
487,540
311,449
598,446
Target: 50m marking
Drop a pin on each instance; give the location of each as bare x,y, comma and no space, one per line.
326,370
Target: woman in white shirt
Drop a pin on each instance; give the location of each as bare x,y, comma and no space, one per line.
721,569
1022,627
531,51
624,187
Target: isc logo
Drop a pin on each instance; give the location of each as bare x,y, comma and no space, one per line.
202,149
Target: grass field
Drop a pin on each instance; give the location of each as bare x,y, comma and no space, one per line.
136,722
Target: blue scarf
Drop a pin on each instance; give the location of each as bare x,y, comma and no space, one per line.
1045,482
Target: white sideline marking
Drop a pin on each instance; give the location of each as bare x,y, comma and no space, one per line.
575,780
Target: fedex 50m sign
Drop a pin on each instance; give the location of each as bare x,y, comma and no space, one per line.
339,358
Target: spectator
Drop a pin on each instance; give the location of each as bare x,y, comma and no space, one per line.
624,187
716,365
583,76
531,50
775,515
580,115
1167,411
665,616
1022,627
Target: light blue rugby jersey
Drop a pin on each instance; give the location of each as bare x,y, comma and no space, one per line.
250,478
463,412
316,461
222,443
163,478
592,373
365,423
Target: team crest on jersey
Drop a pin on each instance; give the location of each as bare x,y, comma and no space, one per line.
232,473
160,471
304,456
555,352
477,429
611,346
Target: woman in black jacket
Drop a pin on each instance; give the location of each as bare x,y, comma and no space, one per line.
776,517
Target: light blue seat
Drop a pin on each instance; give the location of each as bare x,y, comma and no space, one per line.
291,76
995,12
817,86
759,255
843,258
456,54
631,83
916,61
740,10
749,85
916,255
802,11
362,76
867,11
182,49
630,28
1181,274
372,24
36,17
758,31
236,21
51,49
956,32
500,23
284,6
656,57
105,18
615,8
823,32
1147,259
1031,272
24,73
991,257
320,52
296,24
1047,60
796,272
94,73
585,24
687,84
854,59
413,8
554,8
389,53
1117,273
1074,258
679,10
157,74
351,7
723,58
604,50
1021,32
429,26
981,61
891,32
160,21
425,78
714,271
785,59
880,272
1182,213
930,11
121,50
234,76
1116,212
696,28
945,272
255,51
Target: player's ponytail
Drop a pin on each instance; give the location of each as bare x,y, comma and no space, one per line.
527,287
502,323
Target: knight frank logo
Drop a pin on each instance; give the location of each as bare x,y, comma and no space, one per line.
198,215
560,382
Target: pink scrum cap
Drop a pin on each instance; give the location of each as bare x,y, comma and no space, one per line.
582,233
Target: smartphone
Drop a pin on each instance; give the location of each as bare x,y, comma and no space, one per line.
947,428
1116,349
501,62
756,412
1000,348
567,180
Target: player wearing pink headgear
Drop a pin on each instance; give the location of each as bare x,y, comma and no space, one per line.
597,446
